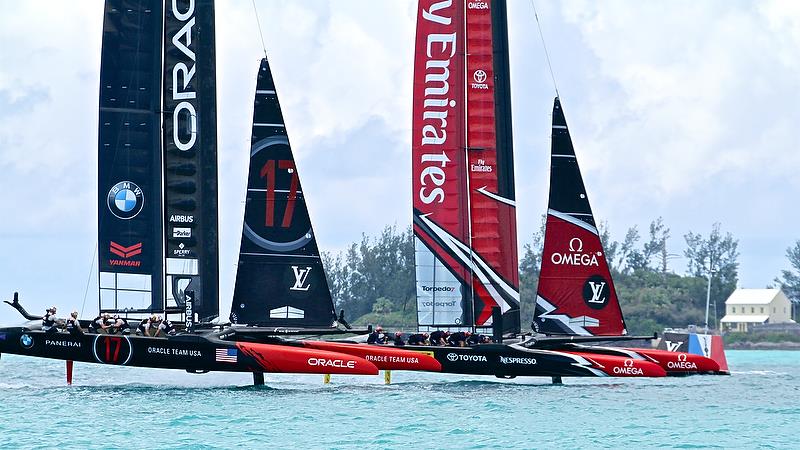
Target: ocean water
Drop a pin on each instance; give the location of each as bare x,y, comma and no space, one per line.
114,407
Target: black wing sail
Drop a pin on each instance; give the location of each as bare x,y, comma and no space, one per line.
129,158
190,158
280,279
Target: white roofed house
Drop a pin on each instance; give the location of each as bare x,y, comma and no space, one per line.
748,307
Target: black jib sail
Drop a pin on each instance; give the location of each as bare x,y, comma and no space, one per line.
190,158
129,158
280,279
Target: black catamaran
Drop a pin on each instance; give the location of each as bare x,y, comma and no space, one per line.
157,204
158,219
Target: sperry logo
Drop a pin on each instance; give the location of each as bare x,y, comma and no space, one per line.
301,278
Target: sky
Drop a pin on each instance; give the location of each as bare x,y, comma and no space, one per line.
685,110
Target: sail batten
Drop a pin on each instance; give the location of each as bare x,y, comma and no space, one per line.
280,279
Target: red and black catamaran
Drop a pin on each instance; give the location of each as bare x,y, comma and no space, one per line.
157,200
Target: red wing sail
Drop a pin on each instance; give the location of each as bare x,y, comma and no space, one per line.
491,173
464,216
441,228
576,294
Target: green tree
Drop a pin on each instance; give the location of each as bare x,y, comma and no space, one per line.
715,256
790,279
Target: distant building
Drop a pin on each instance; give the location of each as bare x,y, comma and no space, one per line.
748,307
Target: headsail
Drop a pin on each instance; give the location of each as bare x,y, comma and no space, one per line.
129,158
190,158
280,279
464,218
576,294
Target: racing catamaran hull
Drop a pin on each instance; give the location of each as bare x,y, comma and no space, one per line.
500,360
193,353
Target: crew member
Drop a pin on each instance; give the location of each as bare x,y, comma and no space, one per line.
398,339
165,326
458,339
100,324
475,339
439,337
418,339
119,325
145,325
377,336
74,325
49,321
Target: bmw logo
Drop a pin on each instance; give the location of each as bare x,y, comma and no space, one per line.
125,200
26,341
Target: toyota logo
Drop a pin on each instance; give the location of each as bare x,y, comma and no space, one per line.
628,363
479,76
452,357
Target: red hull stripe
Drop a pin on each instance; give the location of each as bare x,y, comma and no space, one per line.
285,359
618,366
385,358
679,361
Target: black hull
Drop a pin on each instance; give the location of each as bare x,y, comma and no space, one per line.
194,353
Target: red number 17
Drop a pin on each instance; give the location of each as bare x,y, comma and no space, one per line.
268,172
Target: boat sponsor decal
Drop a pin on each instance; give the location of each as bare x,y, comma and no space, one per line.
62,343
301,278
227,355
179,218
517,360
181,232
115,350
481,166
125,200
682,363
392,359
596,292
575,256
478,5
169,351
453,357
673,346
125,253
479,76
325,362
628,369
26,341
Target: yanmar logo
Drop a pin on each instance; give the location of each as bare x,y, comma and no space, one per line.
323,362
514,360
125,253
628,369
575,256
682,363
437,105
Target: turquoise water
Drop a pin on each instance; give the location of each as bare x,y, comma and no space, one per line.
759,406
